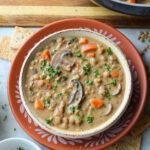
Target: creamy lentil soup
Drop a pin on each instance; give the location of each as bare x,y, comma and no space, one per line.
74,83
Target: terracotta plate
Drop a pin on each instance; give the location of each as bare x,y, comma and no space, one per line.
101,140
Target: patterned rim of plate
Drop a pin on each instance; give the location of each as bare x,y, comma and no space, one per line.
105,138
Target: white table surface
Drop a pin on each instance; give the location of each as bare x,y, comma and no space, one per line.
7,126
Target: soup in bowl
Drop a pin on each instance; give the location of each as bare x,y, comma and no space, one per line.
75,83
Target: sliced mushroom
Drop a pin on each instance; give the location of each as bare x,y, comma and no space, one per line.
67,65
73,95
102,90
59,56
59,60
77,93
108,109
117,90
65,53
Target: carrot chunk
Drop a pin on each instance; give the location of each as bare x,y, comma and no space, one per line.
45,54
88,47
96,103
91,54
114,73
83,40
38,104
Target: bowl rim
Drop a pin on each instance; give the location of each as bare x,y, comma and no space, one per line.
98,129
20,139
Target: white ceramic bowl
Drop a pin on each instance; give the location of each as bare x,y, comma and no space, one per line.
15,143
110,121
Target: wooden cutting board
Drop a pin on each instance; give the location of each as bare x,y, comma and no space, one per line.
41,12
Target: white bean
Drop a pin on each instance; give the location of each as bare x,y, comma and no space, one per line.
63,91
48,94
97,81
87,89
75,77
57,112
90,109
70,85
34,77
100,49
81,72
65,120
92,61
102,90
38,95
103,58
71,119
57,120
61,106
78,120
112,58
64,126
39,83
106,74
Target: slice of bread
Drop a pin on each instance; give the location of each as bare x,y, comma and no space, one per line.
19,36
5,52
10,45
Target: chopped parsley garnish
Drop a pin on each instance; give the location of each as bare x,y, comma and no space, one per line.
49,121
62,78
108,95
77,54
20,148
48,70
84,59
43,64
89,82
73,109
46,102
114,82
89,119
96,73
59,95
5,117
54,87
106,67
109,51
87,69
2,107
